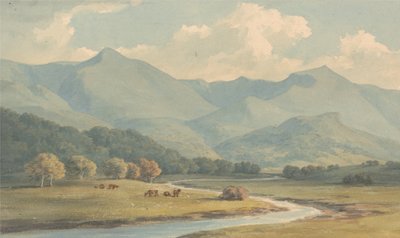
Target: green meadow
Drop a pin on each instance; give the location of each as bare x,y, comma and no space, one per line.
349,211
78,204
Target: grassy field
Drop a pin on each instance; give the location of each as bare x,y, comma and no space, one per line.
77,202
374,211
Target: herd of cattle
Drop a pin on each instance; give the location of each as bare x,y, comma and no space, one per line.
149,193
154,193
103,186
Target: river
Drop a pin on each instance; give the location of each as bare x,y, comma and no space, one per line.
180,227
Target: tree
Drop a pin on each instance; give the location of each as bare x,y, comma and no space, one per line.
223,167
45,166
81,166
291,171
393,165
370,163
247,168
115,168
133,171
206,165
149,169
360,178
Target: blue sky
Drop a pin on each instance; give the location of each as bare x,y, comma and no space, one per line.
213,40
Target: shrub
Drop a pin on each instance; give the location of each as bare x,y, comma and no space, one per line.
361,178
370,163
234,193
393,165
291,171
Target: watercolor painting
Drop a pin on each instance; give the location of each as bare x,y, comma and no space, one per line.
200,118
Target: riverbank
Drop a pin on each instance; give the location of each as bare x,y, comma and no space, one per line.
346,211
78,204
11,226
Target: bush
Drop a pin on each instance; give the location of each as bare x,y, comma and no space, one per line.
291,171
370,163
363,179
393,165
247,168
332,167
234,193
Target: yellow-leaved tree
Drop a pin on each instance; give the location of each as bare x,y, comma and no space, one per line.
45,166
149,169
133,171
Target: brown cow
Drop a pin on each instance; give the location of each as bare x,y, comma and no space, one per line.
113,186
167,194
176,192
151,193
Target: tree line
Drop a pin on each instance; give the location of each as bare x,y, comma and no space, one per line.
290,171
362,177
47,167
24,136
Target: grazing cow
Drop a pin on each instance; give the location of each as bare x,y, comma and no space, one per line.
167,194
176,192
113,186
151,193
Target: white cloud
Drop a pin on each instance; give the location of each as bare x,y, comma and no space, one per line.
249,42
136,2
186,32
364,60
363,43
59,32
52,41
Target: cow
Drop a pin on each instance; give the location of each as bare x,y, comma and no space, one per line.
151,193
167,194
176,192
113,186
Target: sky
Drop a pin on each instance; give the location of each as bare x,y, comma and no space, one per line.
213,40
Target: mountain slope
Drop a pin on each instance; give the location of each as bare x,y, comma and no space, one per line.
238,119
310,92
174,134
110,86
321,139
21,92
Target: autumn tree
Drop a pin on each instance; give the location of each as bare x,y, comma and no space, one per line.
133,171
115,168
80,166
149,169
45,166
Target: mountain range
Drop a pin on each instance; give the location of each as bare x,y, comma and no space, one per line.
200,118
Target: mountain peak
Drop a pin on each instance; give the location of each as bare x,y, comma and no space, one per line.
106,54
322,73
109,53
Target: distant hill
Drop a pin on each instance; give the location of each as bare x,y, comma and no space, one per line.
255,104
322,139
172,133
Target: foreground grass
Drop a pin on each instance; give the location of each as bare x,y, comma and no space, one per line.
79,201
381,204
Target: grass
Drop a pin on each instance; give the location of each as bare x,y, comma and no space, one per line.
79,201
384,201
